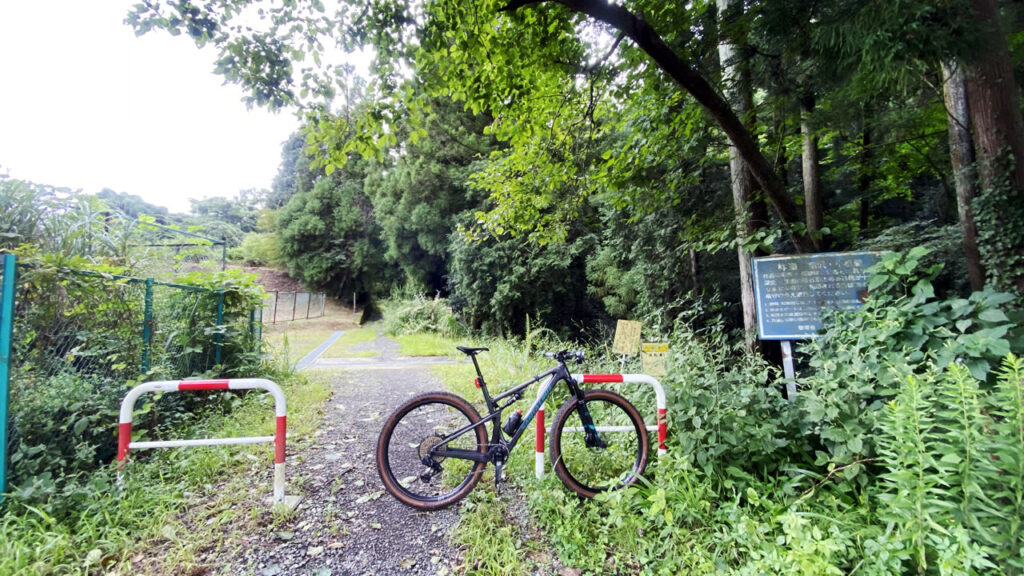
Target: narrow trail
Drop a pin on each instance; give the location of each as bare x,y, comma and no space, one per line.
346,525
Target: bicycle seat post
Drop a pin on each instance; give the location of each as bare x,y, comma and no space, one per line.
472,352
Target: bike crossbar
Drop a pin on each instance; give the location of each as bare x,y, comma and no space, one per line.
662,415
124,436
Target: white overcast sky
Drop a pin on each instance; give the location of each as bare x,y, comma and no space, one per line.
84,104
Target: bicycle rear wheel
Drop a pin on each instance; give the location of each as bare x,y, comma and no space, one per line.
409,472
617,460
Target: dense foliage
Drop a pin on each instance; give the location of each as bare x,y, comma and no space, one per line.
86,329
901,454
529,124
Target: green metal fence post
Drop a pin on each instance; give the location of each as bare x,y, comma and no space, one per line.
220,327
6,328
147,322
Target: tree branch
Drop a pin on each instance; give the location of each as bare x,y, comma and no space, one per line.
611,51
648,40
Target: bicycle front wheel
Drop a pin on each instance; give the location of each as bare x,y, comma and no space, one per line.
615,457
409,448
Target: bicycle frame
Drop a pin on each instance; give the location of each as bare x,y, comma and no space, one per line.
498,447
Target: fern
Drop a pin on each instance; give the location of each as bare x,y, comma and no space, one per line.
910,483
1006,485
960,426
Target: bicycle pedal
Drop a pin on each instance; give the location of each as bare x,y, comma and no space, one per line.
497,476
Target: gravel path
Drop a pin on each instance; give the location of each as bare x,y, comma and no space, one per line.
346,524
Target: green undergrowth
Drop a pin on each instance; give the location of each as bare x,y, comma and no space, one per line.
902,454
492,542
174,502
426,345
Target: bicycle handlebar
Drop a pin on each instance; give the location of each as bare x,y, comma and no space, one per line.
565,355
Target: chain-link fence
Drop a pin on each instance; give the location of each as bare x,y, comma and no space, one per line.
287,306
79,340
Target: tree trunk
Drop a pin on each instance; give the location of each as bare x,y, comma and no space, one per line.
695,277
864,178
737,91
813,206
647,39
961,153
999,138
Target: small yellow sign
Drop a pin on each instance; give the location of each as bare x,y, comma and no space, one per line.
653,358
627,337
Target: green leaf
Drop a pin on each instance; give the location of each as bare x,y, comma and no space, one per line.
978,368
993,315
924,290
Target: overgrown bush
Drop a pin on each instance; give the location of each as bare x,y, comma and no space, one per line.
78,347
236,294
61,431
864,357
258,249
409,315
903,453
722,405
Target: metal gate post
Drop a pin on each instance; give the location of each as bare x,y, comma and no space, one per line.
147,326
6,328
219,339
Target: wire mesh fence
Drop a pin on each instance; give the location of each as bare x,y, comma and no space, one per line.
81,338
288,306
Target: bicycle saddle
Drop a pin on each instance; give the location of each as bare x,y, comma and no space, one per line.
470,351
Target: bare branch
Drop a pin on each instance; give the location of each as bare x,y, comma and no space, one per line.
605,58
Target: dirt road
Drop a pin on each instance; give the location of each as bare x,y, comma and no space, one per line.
346,524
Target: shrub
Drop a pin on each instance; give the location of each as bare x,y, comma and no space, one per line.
863,357
723,410
258,249
61,429
421,314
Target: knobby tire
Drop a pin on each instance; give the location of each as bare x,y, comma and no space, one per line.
590,470
410,432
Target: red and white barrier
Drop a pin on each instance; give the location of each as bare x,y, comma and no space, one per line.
659,394
124,435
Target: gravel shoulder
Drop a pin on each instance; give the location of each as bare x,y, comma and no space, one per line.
346,524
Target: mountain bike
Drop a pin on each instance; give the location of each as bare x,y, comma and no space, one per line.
433,448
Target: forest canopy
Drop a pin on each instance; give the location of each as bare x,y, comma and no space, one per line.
665,142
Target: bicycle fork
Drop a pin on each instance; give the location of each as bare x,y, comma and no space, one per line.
590,435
